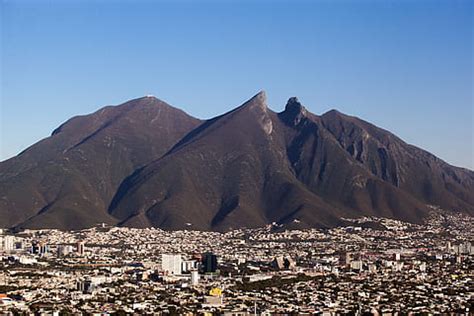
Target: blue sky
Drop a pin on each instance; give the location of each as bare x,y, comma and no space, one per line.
406,66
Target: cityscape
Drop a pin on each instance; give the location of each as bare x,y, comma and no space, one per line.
237,158
375,265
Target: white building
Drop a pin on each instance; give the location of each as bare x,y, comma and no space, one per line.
64,250
8,243
356,265
189,265
171,263
372,268
194,277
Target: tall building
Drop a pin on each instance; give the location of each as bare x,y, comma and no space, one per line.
194,277
8,243
81,247
345,259
19,245
209,262
43,248
278,263
189,265
35,247
171,264
283,263
64,250
39,248
357,265
85,286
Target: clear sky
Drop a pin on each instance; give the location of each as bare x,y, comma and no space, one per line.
406,66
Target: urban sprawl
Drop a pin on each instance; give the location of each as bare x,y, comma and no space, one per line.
373,265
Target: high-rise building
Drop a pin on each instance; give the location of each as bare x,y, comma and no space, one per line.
171,263
209,262
357,265
43,248
64,250
278,263
189,265
194,277
35,247
466,248
8,243
39,248
345,259
81,247
18,245
283,263
85,286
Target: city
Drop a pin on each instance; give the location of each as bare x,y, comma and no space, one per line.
236,158
374,265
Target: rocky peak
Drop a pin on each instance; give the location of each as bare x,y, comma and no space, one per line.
294,112
258,101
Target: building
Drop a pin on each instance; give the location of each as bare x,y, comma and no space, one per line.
85,286
19,245
8,243
189,265
214,298
283,263
397,266
345,259
81,248
372,268
357,265
39,248
64,250
422,267
35,248
209,262
171,263
278,263
194,277
43,248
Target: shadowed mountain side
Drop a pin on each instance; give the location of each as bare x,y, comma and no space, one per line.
251,167
145,163
68,180
230,172
327,170
413,170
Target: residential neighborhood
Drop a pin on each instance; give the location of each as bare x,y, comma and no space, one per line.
373,265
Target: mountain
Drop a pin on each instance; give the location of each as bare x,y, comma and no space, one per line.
145,163
68,179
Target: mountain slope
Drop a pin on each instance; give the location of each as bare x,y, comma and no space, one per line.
145,163
413,170
231,172
252,166
67,180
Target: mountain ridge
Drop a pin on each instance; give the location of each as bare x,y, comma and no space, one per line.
145,163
